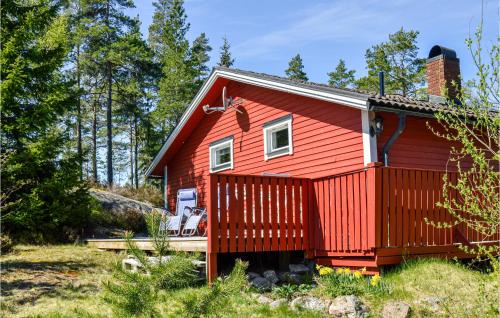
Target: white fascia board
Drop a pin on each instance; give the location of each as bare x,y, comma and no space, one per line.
369,141
359,103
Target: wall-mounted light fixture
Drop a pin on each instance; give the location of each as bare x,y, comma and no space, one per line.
377,126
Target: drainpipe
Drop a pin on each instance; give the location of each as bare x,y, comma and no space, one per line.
394,136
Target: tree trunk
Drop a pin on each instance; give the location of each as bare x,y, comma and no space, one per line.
79,114
94,142
109,112
131,144
136,154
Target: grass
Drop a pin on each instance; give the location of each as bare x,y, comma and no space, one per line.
66,281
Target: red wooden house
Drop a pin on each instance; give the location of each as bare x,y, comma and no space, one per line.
346,177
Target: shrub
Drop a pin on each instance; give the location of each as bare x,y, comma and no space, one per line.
288,291
178,272
208,302
6,244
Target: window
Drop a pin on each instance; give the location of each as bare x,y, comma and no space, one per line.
278,137
221,154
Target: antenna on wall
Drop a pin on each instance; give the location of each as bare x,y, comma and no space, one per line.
227,102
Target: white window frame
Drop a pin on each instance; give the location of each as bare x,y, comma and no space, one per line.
220,144
268,130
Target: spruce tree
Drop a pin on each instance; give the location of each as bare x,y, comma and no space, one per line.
42,196
295,69
225,58
398,59
199,57
341,77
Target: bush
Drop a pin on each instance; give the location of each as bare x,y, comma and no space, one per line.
210,301
6,244
178,272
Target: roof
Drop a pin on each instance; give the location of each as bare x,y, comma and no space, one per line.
343,96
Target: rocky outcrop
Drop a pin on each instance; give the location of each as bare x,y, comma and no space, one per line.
396,309
311,303
115,203
347,307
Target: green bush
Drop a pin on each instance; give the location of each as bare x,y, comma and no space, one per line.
288,291
208,302
178,272
6,244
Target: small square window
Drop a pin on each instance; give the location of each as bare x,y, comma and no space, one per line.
278,138
221,155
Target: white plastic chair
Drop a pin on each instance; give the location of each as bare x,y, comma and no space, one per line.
191,225
186,203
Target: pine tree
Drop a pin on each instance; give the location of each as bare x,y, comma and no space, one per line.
295,69
199,57
225,58
341,77
398,59
177,82
41,191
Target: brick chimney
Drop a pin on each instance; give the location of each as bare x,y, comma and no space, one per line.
443,68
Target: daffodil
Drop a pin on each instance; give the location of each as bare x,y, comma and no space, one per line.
358,274
363,270
340,270
375,280
347,270
325,271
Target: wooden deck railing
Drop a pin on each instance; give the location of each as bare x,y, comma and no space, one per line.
257,213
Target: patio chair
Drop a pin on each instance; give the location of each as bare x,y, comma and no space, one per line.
186,202
191,225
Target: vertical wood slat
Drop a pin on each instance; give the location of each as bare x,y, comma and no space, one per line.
326,208
343,195
405,208
274,216
357,211
392,208
249,220
385,210
297,220
365,208
418,208
223,214
258,210
266,214
281,215
232,212
289,214
241,215
331,191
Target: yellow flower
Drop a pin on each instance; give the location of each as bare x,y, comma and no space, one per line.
325,271
318,267
375,280
340,270
363,270
347,270
358,274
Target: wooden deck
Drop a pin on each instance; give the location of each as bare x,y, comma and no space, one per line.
185,244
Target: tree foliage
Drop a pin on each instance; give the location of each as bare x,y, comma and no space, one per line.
225,58
42,196
341,77
295,69
398,59
472,124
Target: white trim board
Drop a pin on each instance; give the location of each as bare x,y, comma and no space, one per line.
358,103
369,141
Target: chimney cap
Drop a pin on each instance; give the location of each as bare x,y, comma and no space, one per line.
438,50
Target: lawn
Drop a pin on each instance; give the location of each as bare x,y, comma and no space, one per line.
66,281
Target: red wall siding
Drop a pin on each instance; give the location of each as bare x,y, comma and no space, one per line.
327,139
417,147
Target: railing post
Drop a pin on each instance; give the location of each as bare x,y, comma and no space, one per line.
374,206
212,229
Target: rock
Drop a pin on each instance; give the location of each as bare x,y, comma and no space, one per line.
347,307
278,302
271,276
261,299
309,302
298,268
116,203
261,284
396,309
296,279
252,275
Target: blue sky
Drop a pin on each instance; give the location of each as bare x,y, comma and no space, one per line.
264,35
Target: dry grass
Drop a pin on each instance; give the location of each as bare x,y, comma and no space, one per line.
38,281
